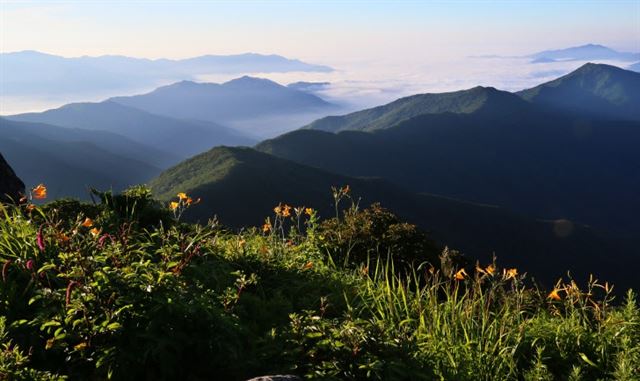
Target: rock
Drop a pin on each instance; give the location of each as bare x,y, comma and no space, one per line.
11,187
279,377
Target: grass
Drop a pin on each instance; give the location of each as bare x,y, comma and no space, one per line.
147,297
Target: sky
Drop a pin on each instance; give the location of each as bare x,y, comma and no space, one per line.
381,49
326,30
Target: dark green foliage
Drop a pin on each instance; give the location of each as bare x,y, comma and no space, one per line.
361,235
143,300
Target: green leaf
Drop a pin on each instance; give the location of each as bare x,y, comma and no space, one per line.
586,359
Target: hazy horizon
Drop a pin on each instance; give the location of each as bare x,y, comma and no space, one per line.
380,50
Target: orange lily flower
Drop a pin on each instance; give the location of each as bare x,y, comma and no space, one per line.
94,232
88,222
510,273
39,192
460,275
182,196
308,211
174,205
554,295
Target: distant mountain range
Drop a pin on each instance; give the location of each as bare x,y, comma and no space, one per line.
634,67
69,161
152,142
181,138
241,186
230,103
490,146
30,73
583,53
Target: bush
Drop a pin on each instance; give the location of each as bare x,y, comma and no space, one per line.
364,234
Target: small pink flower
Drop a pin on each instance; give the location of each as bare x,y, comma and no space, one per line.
40,239
31,264
102,240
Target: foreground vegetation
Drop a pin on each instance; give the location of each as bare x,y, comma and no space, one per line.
121,289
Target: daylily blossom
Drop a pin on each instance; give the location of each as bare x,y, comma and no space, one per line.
174,205
87,223
554,295
39,192
182,196
460,275
510,273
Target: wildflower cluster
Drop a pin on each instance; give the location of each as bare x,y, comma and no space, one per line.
182,203
286,215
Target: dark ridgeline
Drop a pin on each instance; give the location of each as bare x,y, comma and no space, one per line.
11,187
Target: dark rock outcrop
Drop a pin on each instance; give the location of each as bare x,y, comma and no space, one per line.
11,187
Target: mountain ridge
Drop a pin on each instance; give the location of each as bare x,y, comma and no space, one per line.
592,89
225,177
182,138
478,99
68,167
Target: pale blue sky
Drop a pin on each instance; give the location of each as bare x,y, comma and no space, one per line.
323,31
